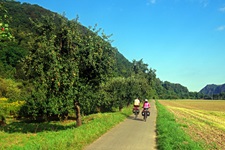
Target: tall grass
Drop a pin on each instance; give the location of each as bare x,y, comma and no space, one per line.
170,136
59,137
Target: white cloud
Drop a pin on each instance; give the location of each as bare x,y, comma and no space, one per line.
151,2
221,28
222,9
204,3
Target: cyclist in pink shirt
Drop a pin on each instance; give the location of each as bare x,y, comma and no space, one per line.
145,111
146,105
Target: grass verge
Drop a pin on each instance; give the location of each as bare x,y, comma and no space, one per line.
170,136
58,136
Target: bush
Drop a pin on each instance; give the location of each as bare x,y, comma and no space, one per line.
10,88
10,108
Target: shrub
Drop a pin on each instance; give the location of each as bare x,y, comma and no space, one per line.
10,89
10,108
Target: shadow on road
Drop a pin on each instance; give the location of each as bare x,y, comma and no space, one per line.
133,118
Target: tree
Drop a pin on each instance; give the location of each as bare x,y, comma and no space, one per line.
96,58
96,61
67,64
52,68
139,67
5,34
122,91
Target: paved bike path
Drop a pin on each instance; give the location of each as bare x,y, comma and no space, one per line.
130,135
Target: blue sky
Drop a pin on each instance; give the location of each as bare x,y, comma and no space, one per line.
183,40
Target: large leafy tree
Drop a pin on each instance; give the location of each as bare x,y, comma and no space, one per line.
66,65
147,78
116,91
96,57
52,68
96,61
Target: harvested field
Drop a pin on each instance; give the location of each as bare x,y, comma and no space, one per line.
203,120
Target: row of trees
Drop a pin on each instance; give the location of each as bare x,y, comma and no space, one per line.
71,68
65,66
62,67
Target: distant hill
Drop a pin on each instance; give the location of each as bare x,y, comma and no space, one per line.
213,89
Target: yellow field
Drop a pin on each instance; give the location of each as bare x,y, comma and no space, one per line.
203,120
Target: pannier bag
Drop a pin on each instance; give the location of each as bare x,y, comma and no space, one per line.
135,109
148,113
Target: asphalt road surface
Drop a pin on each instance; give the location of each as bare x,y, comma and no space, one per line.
132,134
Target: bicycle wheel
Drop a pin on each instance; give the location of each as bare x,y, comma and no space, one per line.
145,116
135,114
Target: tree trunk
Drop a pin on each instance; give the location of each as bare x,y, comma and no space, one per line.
120,108
78,116
2,121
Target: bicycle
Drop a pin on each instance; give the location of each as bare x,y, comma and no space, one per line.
145,114
136,112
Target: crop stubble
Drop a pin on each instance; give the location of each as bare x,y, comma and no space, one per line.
202,120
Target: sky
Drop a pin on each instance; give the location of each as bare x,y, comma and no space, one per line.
183,40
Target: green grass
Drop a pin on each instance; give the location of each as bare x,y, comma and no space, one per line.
61,135
170,136
56,135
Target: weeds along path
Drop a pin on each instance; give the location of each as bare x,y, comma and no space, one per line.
130,134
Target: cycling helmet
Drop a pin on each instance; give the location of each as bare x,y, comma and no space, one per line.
146,100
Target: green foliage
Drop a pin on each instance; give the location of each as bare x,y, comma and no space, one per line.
146,77
175,91
121,92
170,136
91,100
196,95
122,66
5,34
2,117
52,68
9,108
96,58
10,89
139,67
116,91
10,57
7,71
64,62
11,53
219,96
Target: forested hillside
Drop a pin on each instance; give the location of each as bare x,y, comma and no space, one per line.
57,66
213,91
